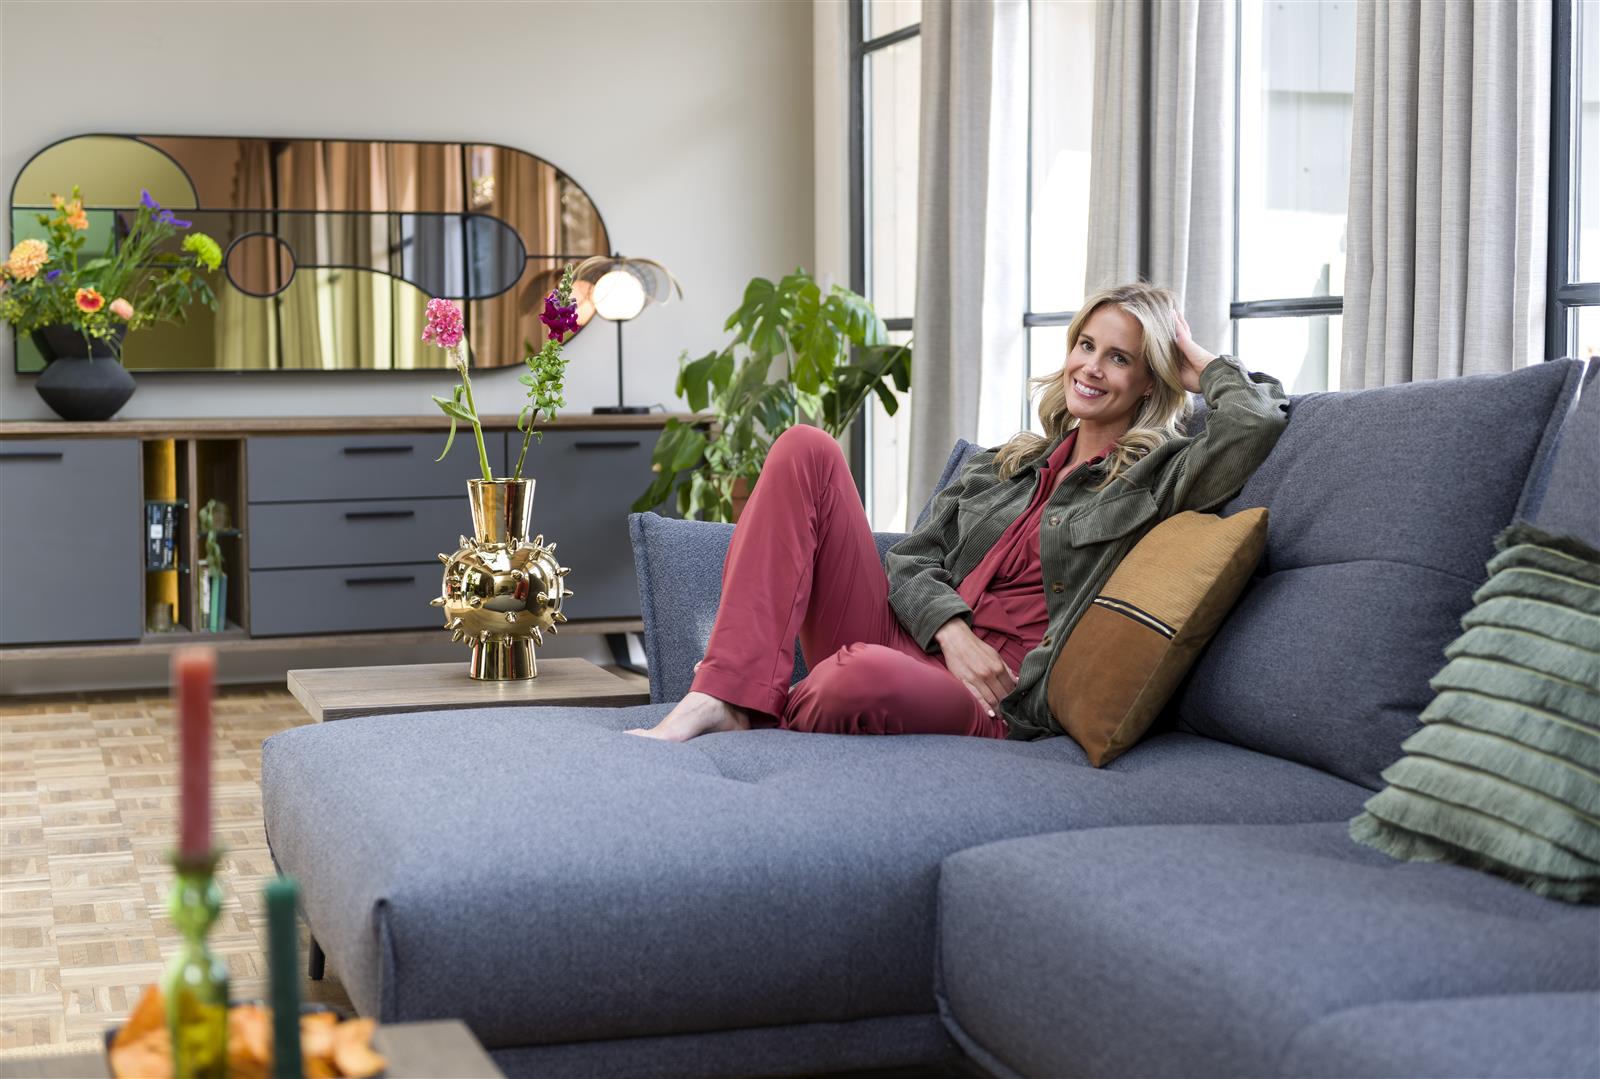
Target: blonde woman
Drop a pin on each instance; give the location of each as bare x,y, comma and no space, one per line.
958,637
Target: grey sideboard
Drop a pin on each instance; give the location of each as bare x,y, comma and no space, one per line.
335,529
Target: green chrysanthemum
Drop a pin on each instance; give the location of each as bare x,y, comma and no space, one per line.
203,248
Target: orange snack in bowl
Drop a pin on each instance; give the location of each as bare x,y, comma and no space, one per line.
352,1049
142,1048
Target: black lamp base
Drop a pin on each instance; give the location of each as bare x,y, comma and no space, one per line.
621,410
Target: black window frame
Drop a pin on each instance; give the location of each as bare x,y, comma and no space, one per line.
1564,294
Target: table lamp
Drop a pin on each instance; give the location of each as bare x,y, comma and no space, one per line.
620,288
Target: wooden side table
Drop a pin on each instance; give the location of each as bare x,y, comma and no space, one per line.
343,692
414,1051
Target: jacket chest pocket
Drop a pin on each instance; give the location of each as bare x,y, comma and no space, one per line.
1106,519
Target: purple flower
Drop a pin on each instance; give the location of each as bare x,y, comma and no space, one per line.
52,275
560,319
147,200
166,218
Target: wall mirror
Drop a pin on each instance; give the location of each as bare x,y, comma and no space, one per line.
331,247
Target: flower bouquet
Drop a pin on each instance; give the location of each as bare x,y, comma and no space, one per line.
138,282
545,377
50,289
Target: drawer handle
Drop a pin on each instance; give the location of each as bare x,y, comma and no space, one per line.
608,444
354,581
31,455
354,450
378,515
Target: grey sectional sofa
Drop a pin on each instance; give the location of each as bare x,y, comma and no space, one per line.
772,903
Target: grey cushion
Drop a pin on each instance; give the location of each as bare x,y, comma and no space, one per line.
1204,950
613,887
1544,1034
1383,509
679,567
1567,498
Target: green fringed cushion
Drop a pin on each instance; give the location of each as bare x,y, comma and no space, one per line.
1504,775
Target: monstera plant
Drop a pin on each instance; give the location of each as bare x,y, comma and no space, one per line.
798,354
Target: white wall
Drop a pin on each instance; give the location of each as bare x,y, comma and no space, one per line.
689,124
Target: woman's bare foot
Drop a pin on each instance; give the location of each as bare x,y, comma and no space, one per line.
697,714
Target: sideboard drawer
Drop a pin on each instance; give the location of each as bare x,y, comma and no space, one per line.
288,535
286,602
302,468
71,514
585,483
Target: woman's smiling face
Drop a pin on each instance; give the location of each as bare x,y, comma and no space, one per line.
1105,376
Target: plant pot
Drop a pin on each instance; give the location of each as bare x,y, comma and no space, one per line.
84,380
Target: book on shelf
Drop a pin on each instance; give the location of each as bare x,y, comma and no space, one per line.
219,603
161,535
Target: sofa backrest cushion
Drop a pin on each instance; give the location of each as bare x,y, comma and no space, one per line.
679,566
1565,500
1384,505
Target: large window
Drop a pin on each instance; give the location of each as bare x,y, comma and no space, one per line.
886,65
1294,67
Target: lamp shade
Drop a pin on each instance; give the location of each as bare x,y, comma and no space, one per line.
620,288
618,296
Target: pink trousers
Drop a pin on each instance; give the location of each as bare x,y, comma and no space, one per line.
803,563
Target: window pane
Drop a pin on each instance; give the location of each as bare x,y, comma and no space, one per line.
887,16
1296,88
1047,351
889,450
1586,333
1586,191
1301,353
892,77
1063,100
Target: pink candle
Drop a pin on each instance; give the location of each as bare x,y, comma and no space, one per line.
192,671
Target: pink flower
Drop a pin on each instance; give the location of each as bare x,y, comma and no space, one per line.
122,309
444,324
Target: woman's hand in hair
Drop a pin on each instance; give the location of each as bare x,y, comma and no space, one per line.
1194,358
979,667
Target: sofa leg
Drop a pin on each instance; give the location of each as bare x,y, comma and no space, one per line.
319,962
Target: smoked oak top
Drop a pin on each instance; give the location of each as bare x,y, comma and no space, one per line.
344,692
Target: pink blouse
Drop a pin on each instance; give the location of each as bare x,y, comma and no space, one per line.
1006,589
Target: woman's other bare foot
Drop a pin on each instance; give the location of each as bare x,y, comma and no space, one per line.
697,714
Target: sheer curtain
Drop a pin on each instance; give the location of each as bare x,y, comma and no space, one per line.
1448,191
970,231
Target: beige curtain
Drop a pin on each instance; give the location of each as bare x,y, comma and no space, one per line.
1161,162
1448,190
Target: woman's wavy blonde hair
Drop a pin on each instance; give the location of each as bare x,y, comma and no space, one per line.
1161,415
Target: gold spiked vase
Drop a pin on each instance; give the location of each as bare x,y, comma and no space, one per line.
502,592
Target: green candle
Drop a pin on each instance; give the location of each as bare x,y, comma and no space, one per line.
283,957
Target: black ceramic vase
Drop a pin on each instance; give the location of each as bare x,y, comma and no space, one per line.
77,386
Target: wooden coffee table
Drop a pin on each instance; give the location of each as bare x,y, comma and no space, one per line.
343,692
414,1051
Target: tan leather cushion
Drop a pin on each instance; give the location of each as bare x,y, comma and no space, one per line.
1140,635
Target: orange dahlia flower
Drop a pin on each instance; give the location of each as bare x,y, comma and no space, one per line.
26,258
89,301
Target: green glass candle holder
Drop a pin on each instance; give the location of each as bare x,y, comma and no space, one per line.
196,981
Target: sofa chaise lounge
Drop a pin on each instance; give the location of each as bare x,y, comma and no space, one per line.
770,903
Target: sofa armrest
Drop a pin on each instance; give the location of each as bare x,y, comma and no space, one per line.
679,566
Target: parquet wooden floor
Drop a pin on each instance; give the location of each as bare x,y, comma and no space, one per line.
88,812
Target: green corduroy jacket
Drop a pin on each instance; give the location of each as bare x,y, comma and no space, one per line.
1084,533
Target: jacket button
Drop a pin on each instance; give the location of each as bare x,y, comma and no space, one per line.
1046,642
1056,586
1055,520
